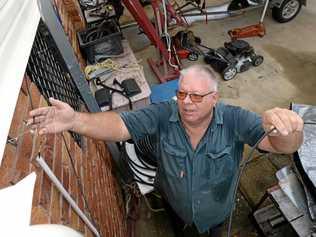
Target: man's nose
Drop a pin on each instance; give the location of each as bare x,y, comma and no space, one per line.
187,99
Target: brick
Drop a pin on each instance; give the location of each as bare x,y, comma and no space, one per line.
18,116
57,163
45,192
7,169
55,206
39,215
78,161
56,199
23,155
88,232
73,189
65,181
36,96
47,154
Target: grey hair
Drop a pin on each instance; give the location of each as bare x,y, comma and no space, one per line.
201,69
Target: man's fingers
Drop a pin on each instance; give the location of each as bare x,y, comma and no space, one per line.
276,121
39,119
42,131
284,120
59,104
34,126
286,124
36,120
39,111
297,122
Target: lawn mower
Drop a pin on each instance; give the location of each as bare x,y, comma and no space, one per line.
235,57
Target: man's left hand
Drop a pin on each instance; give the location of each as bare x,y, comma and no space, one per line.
283,120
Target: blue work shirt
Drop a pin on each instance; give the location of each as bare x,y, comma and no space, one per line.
198,184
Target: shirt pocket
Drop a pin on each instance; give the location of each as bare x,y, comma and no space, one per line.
220,165
173,160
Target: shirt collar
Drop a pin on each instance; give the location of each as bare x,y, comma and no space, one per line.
217,112
174,117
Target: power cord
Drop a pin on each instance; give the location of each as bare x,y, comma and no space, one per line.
242,166
240,171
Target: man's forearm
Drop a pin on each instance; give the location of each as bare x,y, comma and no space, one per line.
104,126
286,144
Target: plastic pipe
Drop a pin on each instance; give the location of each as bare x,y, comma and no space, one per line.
66,195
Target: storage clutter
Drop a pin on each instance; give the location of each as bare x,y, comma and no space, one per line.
100,42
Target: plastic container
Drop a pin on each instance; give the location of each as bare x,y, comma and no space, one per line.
101,42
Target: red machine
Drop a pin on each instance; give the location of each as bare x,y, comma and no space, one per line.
250,31
169,62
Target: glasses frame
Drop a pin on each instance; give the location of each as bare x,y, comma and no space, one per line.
191,95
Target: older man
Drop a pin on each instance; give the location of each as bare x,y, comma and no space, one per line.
200,143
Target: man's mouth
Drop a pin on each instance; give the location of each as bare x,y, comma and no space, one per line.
188,111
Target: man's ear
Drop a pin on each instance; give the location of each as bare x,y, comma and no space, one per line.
215,96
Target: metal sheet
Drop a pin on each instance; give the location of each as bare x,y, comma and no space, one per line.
307,152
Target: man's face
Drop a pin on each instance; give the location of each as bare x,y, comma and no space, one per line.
194,113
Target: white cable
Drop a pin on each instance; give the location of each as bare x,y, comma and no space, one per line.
167,36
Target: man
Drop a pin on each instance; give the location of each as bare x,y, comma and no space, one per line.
200,143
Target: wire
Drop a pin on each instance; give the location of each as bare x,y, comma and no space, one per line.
135,171
167,36
242,166
110,66
240,171
107,64
150,207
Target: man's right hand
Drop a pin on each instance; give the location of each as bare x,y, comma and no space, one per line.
53,119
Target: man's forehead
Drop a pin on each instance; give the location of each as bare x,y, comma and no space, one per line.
195,80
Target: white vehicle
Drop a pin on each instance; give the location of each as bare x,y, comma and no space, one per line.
282,10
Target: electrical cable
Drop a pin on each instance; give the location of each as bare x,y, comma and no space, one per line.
150,207
139,166
242,166
129,170
114,90
135,171
111,66
148,167
240,171
167,36
144,151
132,164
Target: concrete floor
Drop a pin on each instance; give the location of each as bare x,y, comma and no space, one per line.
287,75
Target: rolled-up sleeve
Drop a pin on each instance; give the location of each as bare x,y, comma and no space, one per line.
144,121
249,126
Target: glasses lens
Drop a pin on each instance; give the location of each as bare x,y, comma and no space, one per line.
181,95
196,98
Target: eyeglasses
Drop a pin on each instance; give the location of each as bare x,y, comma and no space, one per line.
195,98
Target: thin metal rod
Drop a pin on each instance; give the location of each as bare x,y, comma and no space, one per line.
65,194
264,10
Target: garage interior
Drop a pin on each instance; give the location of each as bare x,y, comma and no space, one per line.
285,77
